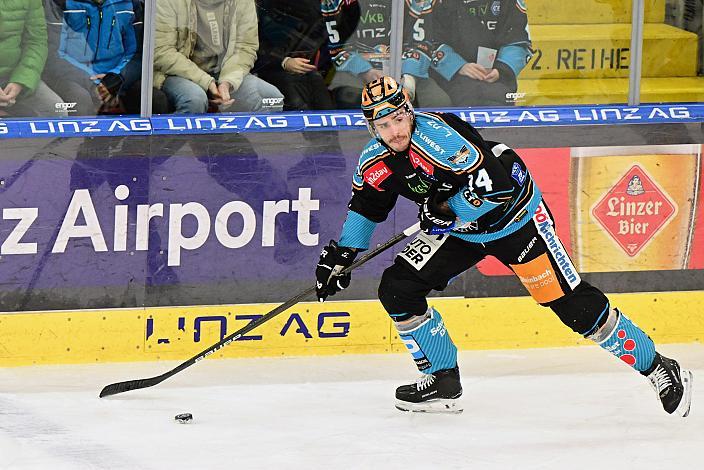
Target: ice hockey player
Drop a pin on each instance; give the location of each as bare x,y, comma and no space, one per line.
475,198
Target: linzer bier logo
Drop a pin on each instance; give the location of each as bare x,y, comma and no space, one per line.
634,210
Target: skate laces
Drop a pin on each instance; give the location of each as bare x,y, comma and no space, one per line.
425,381
660,379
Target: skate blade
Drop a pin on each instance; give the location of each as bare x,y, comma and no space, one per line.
440,405
687,381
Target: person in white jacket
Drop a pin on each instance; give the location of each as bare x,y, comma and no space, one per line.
203,55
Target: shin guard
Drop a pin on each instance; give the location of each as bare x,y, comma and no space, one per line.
429,342
625,340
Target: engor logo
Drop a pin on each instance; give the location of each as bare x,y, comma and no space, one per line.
634,210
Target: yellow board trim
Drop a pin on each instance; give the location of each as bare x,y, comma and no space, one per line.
118,335
608,90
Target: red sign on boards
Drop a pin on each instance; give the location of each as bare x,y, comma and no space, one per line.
634,210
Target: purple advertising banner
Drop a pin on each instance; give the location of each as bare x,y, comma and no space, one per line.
158,220
123,221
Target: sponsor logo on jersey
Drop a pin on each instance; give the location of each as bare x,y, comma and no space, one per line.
518,173
376,174
419,251
439,329
467,227
416,352
539,278
496,7
547,231
634,210
430,142
472,198
416,184
418,161
460,157
527,249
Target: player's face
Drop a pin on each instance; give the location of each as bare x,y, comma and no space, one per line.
395,129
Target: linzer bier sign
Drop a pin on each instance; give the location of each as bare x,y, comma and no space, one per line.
634,210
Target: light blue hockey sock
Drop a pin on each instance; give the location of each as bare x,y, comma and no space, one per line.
429,342
625,340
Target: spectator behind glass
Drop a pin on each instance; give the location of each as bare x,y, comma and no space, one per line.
23,43
92,43
204,52
365,55
474,50
131,92
349,53
291,35
293,56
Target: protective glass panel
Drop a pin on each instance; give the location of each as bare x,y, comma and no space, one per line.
673,53
65,58
518,52
204,58
320,53
364,54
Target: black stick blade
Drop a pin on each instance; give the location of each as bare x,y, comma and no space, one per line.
120,387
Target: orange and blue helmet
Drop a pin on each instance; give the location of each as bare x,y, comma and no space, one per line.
382,97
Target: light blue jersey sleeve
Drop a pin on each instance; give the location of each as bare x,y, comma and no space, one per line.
357,231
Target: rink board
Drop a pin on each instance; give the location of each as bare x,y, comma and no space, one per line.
356,327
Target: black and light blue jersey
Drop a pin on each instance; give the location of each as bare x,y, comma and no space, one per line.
493,190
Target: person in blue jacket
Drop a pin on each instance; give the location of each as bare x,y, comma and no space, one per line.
93,42
476,198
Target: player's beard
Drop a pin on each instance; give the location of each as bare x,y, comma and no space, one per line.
399,143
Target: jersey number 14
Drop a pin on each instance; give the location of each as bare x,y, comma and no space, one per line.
482,181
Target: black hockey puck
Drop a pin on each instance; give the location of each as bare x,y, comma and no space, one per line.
184,418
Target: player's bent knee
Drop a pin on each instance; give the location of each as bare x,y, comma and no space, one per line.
584,310
401,297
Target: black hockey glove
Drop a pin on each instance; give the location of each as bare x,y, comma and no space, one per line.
435,219
112,82
333,259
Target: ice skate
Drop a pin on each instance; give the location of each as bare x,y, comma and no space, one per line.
432,393
672,384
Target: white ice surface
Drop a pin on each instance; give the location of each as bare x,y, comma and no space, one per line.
572,408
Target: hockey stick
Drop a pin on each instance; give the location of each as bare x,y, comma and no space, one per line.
120,387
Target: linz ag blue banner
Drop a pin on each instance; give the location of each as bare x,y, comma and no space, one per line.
241,123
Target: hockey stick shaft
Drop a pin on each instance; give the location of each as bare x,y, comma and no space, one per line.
121,387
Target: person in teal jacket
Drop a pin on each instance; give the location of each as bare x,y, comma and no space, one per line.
23,43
